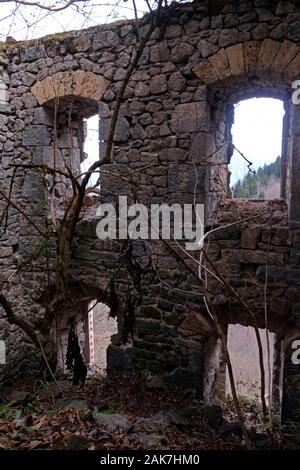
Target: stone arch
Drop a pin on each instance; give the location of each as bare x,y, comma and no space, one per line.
269,59
71,86
68,98
258,68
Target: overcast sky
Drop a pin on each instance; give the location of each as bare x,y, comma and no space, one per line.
257,133
23,22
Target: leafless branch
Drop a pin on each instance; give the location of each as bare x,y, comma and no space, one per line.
65,4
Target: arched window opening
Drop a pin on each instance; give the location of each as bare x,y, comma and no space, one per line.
101,327
91,147
74,97
257,137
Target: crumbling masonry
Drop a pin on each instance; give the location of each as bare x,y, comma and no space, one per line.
174,127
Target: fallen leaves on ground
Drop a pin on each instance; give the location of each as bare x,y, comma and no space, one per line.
68,422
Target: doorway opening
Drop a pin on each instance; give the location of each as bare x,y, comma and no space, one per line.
243,351
101,327
257,137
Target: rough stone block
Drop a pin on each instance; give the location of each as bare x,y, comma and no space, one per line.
43,116
206,48
176,82
251,52
33,187
42,156
111,177
182,178
190,117
38,91
77,82
260,32
182,52
93,86
36,136
280,236
292,71
235,57
267,54
121,132
173,155
191,27
81,43
196,323
53,86
6,251
137,132
292,276
286,53
202,148
228,37
105,39
220,64
249,238
205,72
33,53
173,31
284,7
294,30
160,52
158,84
252,257
229,233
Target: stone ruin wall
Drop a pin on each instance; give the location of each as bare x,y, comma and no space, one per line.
174,121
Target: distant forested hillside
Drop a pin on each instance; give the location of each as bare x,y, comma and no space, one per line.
265,183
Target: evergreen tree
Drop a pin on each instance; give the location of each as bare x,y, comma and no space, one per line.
248,187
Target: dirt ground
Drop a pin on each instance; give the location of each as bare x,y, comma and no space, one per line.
124,411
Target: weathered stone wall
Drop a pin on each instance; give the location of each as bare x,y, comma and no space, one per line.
171,325
174,127
243,253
